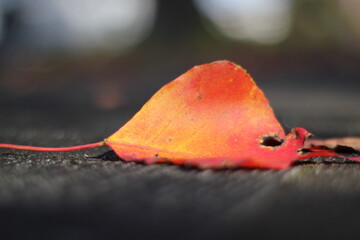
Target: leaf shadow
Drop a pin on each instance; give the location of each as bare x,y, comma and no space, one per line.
109,156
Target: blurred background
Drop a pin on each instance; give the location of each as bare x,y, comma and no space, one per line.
74,71
114,54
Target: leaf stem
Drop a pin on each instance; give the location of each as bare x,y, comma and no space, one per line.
53,149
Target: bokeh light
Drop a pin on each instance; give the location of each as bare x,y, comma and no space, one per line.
80,26
261,21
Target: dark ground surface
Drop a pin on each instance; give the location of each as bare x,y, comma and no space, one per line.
92,194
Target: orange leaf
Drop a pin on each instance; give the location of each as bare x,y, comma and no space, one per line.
215,116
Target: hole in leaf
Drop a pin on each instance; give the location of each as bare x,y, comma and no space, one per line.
272,141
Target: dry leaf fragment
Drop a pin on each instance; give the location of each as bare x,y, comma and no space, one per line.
333,142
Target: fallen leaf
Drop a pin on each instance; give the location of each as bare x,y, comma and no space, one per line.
213,116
